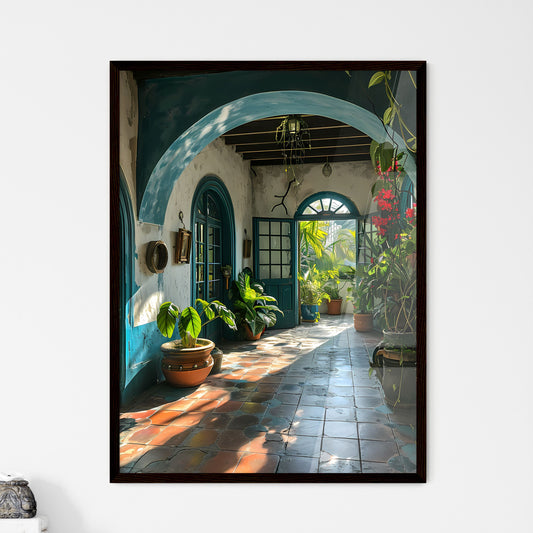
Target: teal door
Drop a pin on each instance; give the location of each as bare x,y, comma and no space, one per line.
275,264
213,247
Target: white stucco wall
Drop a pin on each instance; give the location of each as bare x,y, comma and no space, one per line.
353,180
174,283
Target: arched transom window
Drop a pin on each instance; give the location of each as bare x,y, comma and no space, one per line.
327,205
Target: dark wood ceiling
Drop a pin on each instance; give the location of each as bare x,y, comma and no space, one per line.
330,139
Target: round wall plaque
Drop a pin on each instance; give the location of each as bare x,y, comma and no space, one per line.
156,256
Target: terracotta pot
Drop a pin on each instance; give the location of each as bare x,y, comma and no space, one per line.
334,306
249,335
363,322
187,367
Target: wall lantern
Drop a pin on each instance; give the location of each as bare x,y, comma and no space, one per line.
293,125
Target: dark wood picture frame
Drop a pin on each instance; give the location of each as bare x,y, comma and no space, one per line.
152,69
183,246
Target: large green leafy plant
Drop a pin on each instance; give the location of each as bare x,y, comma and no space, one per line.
251,304
312,290
190,319
361,293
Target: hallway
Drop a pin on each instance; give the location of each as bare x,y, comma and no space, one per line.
298,400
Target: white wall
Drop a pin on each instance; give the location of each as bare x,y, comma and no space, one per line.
54,371
353,180
216,159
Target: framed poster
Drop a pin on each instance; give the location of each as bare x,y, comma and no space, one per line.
333,149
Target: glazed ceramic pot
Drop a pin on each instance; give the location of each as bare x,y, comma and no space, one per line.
309,312
187,367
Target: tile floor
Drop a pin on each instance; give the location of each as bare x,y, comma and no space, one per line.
299,400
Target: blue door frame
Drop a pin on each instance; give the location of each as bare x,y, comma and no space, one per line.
283,287
214,188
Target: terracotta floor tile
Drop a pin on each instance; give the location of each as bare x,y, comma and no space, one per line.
253,408
257,463
228,407
202,438
188,419
145,435
203,405
187,460
129,453
215,420
283,410
267,387
139,415
162,418
172,436
243,421
157,454
222,462
261,444
232,439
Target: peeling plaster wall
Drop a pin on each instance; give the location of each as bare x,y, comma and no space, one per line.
353,180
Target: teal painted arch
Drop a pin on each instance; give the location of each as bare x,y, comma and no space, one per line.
225,118
327,215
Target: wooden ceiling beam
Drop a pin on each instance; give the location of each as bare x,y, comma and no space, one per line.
320,160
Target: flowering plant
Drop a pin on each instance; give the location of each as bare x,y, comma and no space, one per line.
393,265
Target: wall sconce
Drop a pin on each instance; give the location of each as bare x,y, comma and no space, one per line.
246,246
293,125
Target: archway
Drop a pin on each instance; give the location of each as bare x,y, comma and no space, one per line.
256,106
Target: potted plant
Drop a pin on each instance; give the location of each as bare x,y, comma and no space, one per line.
187,361
311,294
394,274
361,294
333,289
253,312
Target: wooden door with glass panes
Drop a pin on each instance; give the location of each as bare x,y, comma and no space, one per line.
275,264
208,253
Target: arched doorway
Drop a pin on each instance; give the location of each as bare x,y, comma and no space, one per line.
213,234
328,247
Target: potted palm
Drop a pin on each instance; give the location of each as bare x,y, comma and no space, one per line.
362,296
333,289
187,361
254,313
311,294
